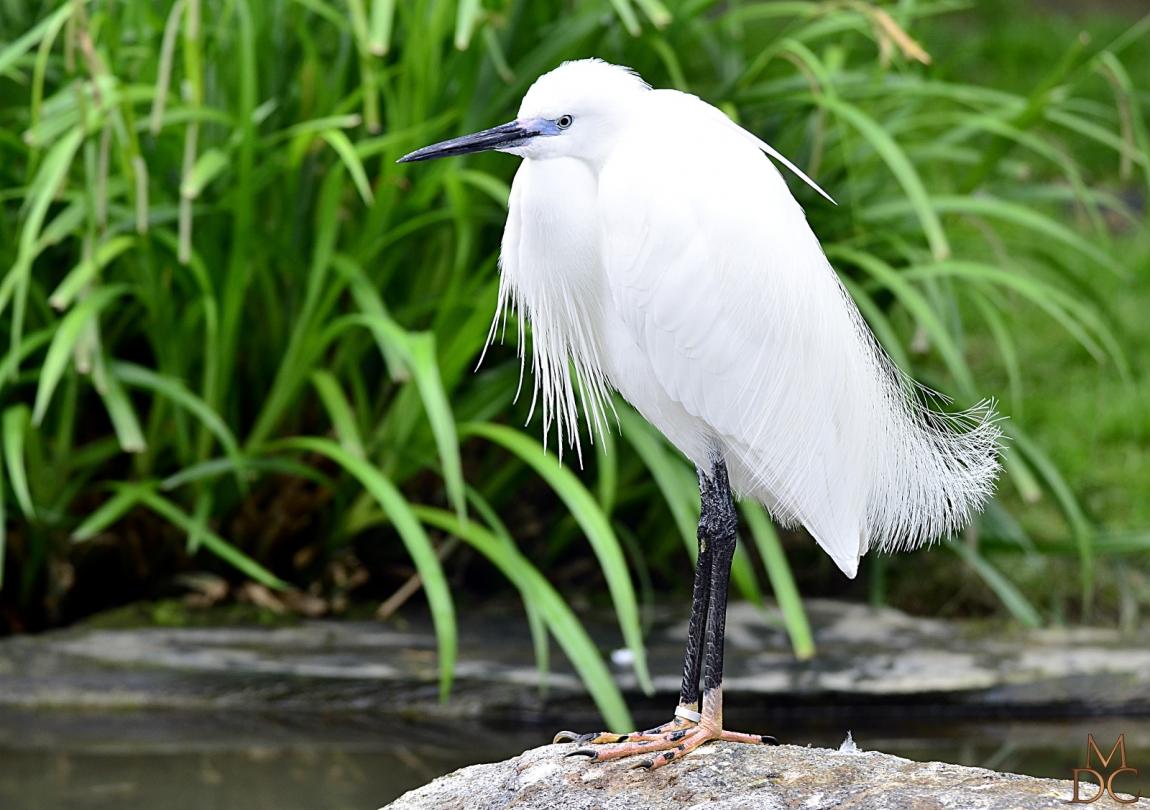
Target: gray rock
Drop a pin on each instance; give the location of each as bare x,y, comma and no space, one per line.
726,776
866,655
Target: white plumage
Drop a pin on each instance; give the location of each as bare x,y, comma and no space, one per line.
655,250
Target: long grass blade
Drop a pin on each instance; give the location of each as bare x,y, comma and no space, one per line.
13,429
208,539
382,17
595,526
22,45
415,540
177,393
466,20
782,580
48,180
416,353
900,166
659,15
1012,213
121,412
627,16
1080,526
540,641
342,145
64,342
561,621
210,164
340,410
108,514
1007,592
84,273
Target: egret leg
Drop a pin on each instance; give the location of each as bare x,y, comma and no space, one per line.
700,597
717,536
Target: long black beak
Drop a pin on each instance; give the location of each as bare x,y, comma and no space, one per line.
498,137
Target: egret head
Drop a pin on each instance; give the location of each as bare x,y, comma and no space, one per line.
573,111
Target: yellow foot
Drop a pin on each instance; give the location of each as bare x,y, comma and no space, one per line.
666,743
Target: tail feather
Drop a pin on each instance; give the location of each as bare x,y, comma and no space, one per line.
932,471
935,475
886,468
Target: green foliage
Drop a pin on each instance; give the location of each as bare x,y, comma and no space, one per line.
215,278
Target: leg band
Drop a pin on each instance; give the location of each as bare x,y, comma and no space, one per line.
688,714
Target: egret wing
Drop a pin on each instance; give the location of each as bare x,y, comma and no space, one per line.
725,288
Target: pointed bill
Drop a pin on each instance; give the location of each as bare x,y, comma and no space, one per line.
504,136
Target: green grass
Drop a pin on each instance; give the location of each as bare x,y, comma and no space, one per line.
1095,426
233,321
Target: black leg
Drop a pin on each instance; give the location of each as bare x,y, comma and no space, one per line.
719,522
700,595
691,727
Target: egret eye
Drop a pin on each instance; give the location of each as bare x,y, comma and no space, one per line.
564,121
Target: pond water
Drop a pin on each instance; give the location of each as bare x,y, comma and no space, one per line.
250,761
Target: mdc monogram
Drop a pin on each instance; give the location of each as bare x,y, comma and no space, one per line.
1105,783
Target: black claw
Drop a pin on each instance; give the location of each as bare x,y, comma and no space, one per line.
565,737
583,752
767,739
646,764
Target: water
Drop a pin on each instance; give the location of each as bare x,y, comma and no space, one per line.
253,761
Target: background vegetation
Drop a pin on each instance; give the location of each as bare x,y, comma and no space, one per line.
239,339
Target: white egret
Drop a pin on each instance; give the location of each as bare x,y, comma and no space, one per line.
656,251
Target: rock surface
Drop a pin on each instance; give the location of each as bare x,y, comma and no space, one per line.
727,776
866,656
